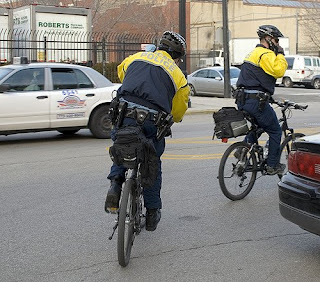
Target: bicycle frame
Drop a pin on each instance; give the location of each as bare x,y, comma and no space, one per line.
132,174
256,148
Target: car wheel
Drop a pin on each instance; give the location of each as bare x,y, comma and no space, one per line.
100,124
192,90
68,132
316,83
287,82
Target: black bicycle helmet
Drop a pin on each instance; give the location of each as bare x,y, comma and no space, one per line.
173,43
270,30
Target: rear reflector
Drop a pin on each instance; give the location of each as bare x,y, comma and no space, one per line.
305,164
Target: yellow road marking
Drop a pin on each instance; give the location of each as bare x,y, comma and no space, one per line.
208,140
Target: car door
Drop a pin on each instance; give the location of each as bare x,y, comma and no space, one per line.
25,103
73,96
214,84
199,79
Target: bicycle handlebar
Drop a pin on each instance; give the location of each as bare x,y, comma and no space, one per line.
288,104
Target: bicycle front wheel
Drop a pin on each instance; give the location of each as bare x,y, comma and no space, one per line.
126,223
237,171
285,150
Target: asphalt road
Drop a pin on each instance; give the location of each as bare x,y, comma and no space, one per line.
53,227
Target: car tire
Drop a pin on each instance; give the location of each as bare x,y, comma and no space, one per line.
100,124
192,90
68,132
316,83
287,82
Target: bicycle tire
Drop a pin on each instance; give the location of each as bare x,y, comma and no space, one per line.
126,223
285,149
231,169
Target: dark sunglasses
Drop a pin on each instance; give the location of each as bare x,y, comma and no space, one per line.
276,40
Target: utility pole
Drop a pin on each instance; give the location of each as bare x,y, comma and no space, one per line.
227,87
182,29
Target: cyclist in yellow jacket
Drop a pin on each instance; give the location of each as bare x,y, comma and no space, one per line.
153,81
256,85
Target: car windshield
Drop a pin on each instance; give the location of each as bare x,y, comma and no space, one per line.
4,72
234,73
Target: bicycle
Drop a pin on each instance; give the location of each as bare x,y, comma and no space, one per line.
241,161
130,216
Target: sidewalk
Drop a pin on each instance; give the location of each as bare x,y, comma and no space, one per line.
208,104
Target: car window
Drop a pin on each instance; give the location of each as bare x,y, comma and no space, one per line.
64,78
213,74
26,80
83,80
234,73
202,73
314,62
290,61
307,62
4,72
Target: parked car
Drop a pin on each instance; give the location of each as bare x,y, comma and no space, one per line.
299,188
210,81
302,70
54,96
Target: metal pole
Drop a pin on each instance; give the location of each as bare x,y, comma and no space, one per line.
297,32
182,29
227,87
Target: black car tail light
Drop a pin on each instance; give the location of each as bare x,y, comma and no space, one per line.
305,164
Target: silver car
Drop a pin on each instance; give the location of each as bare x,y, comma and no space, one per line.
210,81
54,96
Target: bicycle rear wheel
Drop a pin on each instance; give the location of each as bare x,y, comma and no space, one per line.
127,213
285,150
237,171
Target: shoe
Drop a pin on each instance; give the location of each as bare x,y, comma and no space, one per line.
113,196
278,169
152,219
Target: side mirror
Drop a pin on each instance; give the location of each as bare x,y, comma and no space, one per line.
4,87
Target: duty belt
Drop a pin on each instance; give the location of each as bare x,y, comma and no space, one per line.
256,94
132,113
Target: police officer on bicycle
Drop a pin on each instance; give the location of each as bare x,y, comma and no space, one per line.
256,85
152,81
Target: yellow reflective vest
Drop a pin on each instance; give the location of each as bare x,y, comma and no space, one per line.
154,77
261,68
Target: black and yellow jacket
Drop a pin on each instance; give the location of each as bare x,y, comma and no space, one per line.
154,77
261,68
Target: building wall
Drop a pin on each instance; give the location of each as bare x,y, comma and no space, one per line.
244,19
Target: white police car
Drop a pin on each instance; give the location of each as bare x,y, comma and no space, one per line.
54,96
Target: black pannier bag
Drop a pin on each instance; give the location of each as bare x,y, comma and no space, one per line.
229,122
130,148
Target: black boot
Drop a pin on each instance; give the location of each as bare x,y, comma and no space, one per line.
113,196
152,219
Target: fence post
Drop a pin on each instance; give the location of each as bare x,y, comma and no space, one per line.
45,48
104,56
